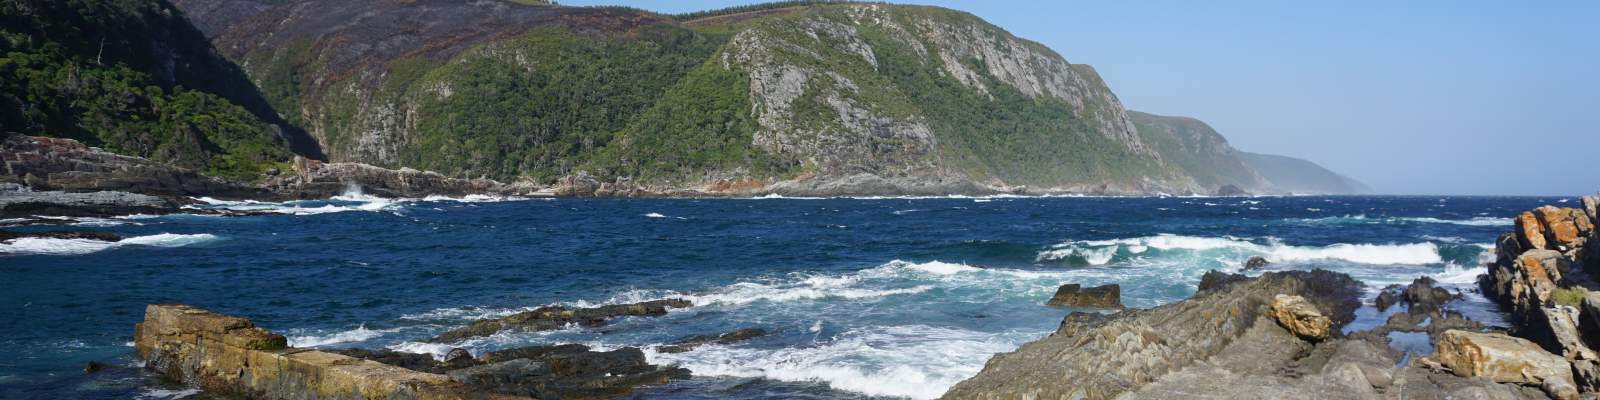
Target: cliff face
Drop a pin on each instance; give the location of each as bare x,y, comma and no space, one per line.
817,98
906,95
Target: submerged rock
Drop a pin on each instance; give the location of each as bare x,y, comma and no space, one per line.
1073,295
691,343
556,317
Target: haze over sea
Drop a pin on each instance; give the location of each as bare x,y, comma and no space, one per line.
867,297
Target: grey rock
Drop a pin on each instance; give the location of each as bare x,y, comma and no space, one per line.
1255,263
1137,347
1074,295
556,317
92,204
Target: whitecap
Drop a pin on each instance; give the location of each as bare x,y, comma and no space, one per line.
54,246
357,335
915,361
165,394
1100,252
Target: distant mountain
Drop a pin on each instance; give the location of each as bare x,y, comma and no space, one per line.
803,97
1206,155
1299,176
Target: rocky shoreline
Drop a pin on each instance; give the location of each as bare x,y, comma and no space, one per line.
1281,334
63,177
1288,335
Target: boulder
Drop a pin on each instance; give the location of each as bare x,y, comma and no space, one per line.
1073,295
1255,263
1560,328
1104,356
1591,207
1589,318
1530,233
1564,228
1505,359
556,317
1300,317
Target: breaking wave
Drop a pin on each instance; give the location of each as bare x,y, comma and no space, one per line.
53,246
915,361
1363,219
1102,252
357,335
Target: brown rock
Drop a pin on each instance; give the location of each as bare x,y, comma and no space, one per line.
1300,317
1564,228
1530,234
1505,359
1073,295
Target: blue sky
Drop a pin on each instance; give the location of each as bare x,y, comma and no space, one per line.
1417,97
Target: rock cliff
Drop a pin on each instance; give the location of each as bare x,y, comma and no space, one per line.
801,97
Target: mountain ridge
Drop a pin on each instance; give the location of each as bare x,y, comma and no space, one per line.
799,97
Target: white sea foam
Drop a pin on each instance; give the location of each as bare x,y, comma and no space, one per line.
1100,252
53,246
654,215
165,394
915,361
1363,219
359,334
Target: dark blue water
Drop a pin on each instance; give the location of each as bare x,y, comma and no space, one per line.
869,297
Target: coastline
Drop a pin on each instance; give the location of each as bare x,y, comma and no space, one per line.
50,176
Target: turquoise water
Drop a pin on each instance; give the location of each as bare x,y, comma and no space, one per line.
867,297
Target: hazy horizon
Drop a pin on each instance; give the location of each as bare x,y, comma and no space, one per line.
1417,98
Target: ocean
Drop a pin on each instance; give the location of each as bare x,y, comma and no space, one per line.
866,297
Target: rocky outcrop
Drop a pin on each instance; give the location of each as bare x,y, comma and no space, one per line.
1538,264
1074,295
1095,358
1230,342
230,355
18,202
55,164
1420,294
1300,317
1506,359
1541,277
567,371
314,179
556,317
690,343
1255,263
83,235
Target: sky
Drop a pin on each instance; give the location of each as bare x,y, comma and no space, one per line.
1415,97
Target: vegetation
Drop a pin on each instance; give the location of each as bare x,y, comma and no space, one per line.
1196,148
131,76
544,116
690,16
1572,296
